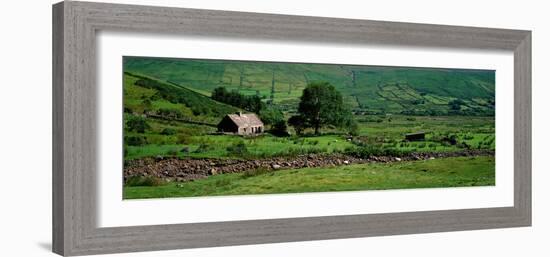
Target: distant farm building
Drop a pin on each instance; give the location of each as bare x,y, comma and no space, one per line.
241,124
417,136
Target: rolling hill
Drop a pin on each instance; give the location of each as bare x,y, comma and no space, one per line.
144,94
367,89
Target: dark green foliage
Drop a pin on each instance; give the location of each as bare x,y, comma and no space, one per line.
147,104
279,128
322,105
251,103
185,150
455,104
143,181
271,116
168,131
137,124
298,122
418,101
452,139
238,149
203,148
135,140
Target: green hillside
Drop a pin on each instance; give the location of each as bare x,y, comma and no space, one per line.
367,89
147,95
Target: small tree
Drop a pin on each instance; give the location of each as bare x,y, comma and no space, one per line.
279,128
137,123
322,105
238,149
455,104
298,122
271,116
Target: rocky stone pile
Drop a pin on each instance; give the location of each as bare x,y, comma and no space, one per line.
191,169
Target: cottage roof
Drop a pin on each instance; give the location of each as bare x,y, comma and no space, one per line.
246,120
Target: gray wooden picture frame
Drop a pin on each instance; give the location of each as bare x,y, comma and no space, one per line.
75,25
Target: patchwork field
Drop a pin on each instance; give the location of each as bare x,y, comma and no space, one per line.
371,89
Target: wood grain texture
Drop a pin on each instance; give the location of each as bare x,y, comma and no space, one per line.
75,25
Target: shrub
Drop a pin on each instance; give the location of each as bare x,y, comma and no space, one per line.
185,149
298,122
251,103
137,123
279,128
468,137
183,139
272,116
456,104
203,148
168,131
147,104
135,140
238,149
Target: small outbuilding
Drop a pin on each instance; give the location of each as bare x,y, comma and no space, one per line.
241,124
417,136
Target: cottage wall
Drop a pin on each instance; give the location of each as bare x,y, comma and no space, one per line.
227,125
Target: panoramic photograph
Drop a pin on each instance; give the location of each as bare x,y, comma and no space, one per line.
203,127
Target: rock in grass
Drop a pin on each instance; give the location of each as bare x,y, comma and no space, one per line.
213,171
275,166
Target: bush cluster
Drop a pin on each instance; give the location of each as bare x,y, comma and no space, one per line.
135,140
238,149
252,103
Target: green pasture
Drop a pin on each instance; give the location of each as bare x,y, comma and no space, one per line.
445,172
198,141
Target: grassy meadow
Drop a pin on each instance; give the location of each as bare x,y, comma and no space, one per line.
449,172
169,112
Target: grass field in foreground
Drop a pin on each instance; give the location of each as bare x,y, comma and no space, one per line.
445,172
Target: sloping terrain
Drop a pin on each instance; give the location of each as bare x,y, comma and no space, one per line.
144,94
370,89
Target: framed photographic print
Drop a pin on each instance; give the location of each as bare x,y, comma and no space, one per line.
183,128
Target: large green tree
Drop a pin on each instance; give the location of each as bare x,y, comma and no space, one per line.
322,105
